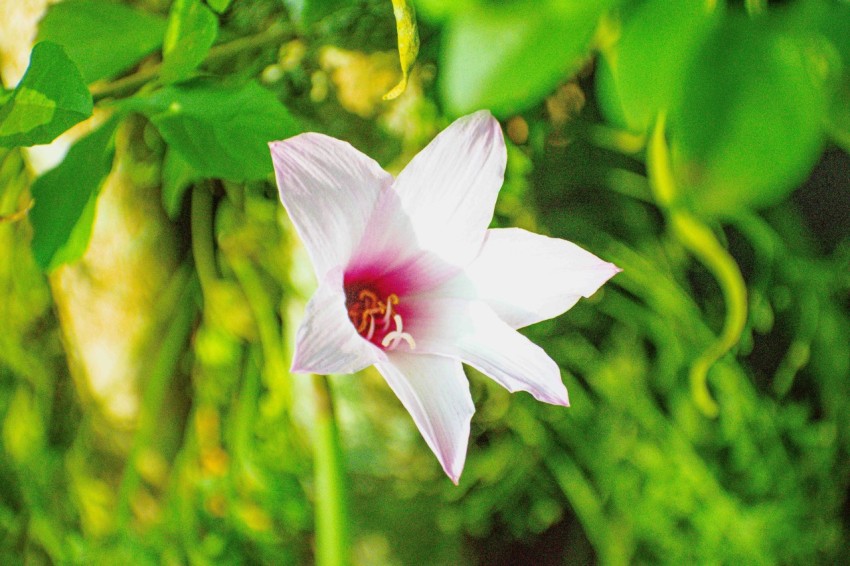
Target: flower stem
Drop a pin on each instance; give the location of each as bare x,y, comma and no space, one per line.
131,83
330,492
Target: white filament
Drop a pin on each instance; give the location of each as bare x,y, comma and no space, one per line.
392,339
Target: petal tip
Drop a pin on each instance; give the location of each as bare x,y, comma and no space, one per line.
299,365
560,398
454,474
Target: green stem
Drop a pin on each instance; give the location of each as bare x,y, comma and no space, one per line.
181,301
264,314
330,492
701,242
203,248
131,83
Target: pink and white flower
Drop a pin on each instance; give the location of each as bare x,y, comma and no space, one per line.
412,281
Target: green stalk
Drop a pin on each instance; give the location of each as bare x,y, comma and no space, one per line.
264,314
182,303
701,242
203,247
330,490
131,83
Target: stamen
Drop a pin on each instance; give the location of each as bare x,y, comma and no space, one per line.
371,328
391,300
391,340
373,316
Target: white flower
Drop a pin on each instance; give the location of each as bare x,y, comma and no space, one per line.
413,282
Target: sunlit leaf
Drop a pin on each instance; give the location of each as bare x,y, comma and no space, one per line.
102,37
748,128
50,98
506,57
64,199
192,29
408,43
221,130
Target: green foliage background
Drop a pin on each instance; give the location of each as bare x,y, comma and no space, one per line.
700,146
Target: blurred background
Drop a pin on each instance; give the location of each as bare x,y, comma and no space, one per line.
151,283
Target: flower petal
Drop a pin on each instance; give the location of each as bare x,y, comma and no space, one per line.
526,277
435,392
326,341
448,191
329,190
390,249
471,332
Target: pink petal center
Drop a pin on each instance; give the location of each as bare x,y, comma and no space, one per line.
376,309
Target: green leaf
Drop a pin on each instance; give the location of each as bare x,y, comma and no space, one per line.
192,29
442,9
644,68
65,199
102,37
219,5
177,176
522,50
221,130
832,21
50,98
749,126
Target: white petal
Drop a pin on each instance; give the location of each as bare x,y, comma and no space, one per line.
435,392
326,341
448,191
329,190
526,277
390,248
470,331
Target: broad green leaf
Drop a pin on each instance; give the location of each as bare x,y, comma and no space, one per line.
65,199
522,50
644,68
192,29
442,9
102,37
177,176
221,130
749,125
50,98
219,5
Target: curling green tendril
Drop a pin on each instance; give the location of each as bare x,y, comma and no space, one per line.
701,242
